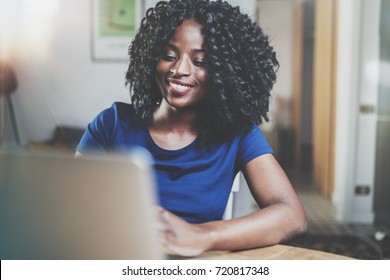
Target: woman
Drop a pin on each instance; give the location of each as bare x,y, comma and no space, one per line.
201,74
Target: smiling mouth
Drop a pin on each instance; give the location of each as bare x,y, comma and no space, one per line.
180,88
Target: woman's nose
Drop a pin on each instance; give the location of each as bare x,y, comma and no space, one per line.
182,67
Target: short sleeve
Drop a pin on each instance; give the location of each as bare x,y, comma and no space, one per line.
97,136
252,145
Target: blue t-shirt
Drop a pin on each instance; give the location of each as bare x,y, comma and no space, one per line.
193,182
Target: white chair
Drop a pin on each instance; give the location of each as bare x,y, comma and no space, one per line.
229,207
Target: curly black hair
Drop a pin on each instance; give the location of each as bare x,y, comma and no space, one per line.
240,63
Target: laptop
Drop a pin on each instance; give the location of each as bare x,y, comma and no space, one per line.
53,206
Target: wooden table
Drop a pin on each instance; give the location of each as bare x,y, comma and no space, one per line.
276,252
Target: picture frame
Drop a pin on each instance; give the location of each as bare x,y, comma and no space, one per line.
113,27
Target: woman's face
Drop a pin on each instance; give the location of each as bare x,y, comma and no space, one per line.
181,73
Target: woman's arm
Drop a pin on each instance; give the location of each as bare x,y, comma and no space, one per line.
281,216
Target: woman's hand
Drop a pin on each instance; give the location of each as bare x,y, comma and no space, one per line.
181,237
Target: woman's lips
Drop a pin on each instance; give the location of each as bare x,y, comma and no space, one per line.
180,87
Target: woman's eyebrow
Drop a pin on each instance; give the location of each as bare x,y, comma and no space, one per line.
172,46
199,50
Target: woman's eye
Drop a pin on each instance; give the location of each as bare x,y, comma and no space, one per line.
198,63
169,57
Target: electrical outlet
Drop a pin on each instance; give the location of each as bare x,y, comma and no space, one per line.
362,190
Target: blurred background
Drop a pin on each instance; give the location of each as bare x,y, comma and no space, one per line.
63,61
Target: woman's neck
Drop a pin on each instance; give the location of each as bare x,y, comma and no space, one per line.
173,129
169,119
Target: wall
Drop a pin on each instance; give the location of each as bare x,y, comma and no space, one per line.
346,102
362,207
277,20
382,161
355,129
305,144
59,84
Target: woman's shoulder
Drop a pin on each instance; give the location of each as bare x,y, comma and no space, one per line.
122,108
119,110
117,114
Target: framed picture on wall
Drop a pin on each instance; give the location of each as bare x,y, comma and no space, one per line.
113,27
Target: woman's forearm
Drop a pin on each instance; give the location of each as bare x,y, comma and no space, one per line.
268,226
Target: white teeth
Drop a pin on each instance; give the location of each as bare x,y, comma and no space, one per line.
179,87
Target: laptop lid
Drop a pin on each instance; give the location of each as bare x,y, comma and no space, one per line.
59,207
